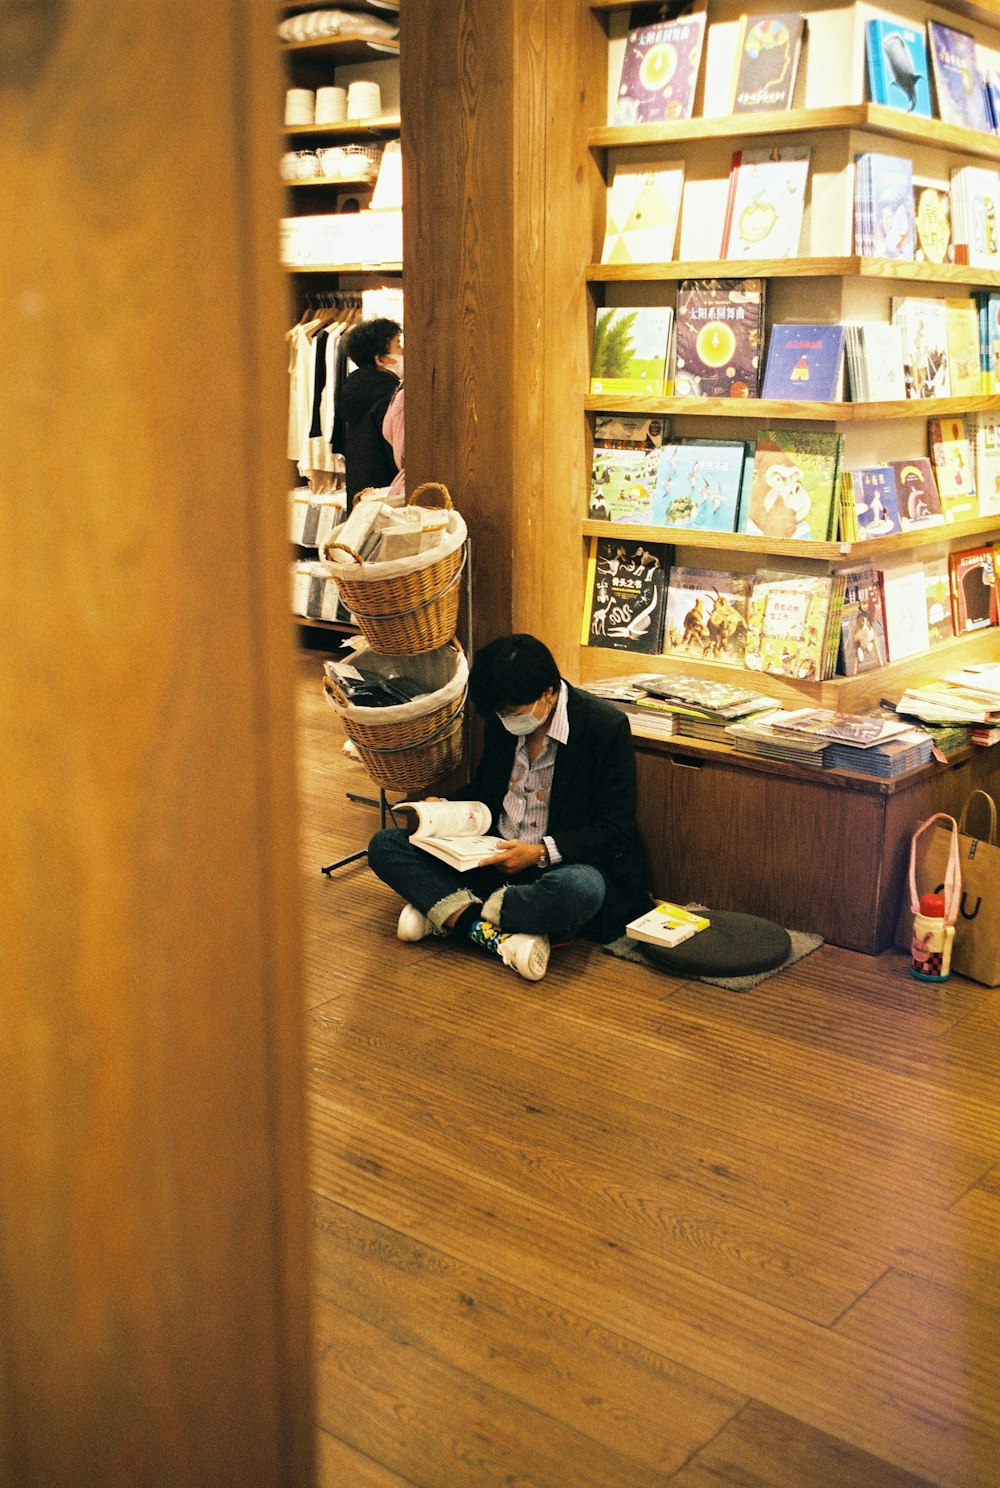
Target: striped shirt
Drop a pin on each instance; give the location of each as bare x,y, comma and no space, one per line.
525,813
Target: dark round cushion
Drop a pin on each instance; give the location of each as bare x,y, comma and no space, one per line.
734,945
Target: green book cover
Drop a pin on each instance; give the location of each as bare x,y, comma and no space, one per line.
630,349
792,494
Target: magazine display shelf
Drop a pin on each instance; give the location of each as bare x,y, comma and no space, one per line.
827,283
312,64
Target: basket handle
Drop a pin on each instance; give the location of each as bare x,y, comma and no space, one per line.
433,494
328,547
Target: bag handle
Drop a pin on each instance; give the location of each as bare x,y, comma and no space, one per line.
953,872
991,836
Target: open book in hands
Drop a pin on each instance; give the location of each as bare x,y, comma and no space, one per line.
454,831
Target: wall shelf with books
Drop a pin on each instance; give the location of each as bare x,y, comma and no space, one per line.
767,410
869,118
944,538
853,266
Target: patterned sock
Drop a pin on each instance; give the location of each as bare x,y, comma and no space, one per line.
484,933
470,916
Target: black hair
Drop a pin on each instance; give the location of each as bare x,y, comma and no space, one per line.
511,671
371,338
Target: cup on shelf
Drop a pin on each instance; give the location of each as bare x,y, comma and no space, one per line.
364,100
300,106
331,105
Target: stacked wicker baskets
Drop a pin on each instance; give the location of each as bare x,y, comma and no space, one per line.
407,608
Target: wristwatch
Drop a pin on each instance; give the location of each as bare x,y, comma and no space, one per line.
543,861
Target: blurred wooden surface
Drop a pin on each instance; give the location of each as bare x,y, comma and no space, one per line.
153,1265
617,1230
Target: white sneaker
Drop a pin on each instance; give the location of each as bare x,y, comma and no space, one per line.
413,925
528,954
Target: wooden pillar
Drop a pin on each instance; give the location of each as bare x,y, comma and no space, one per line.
154,1271
498,187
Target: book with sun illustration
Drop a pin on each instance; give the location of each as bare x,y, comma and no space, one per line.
643,208
660,65
720,325
631,345
625,593
767,189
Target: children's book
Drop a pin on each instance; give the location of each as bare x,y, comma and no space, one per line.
876,504
629,430
456,832
666,925
917,493
767,191
988,303
790,623
698,484
660,69
794,485
706,616
643,208
932,222
626,588
924,328
767,61
862,623
973,589
905,605
898,76
975,216
959,88
883,206
874,352
805,362
937,592
962,328
631,346
983,433
951,457
622,482
720,324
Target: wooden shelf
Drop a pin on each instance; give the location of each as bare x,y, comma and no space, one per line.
339,627
380,124
766,410
836,553
348,181
973,10
845,694
355,268
797,268
376,7
340,51
873,118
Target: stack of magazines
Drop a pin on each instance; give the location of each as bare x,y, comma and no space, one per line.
684,704
863,743
971,696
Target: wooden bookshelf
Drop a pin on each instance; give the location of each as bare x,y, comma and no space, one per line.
767,410
900,270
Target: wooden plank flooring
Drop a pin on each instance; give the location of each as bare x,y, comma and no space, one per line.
618,1230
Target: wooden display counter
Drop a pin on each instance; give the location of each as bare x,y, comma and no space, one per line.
816,850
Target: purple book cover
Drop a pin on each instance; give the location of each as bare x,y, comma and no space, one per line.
960,96
660,71
719,330
805,362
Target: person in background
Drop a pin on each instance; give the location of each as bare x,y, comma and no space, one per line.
392,430
557,773
376,346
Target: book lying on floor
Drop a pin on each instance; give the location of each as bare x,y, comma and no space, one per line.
457,832
666,925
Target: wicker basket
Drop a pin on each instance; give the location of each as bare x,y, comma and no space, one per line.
408,747
409,606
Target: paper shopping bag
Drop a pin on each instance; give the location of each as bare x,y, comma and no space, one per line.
976,952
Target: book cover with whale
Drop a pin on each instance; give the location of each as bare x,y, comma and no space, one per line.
898,74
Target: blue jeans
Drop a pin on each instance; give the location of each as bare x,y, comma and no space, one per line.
557,903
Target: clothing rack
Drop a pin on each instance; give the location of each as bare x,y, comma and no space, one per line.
384,809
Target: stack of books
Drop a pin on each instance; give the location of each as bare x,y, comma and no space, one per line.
762,736
970,697
702,709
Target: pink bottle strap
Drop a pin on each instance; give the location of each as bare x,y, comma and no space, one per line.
953,872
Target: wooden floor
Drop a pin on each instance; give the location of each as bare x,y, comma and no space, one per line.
617,1230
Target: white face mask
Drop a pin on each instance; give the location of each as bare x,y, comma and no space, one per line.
521,724
395,364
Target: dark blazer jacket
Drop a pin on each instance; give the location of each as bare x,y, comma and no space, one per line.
593,804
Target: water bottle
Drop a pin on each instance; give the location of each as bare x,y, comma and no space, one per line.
930,951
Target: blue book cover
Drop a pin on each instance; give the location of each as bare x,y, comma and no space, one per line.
876,501
960,96
898,75
805,362
891,181
698,484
